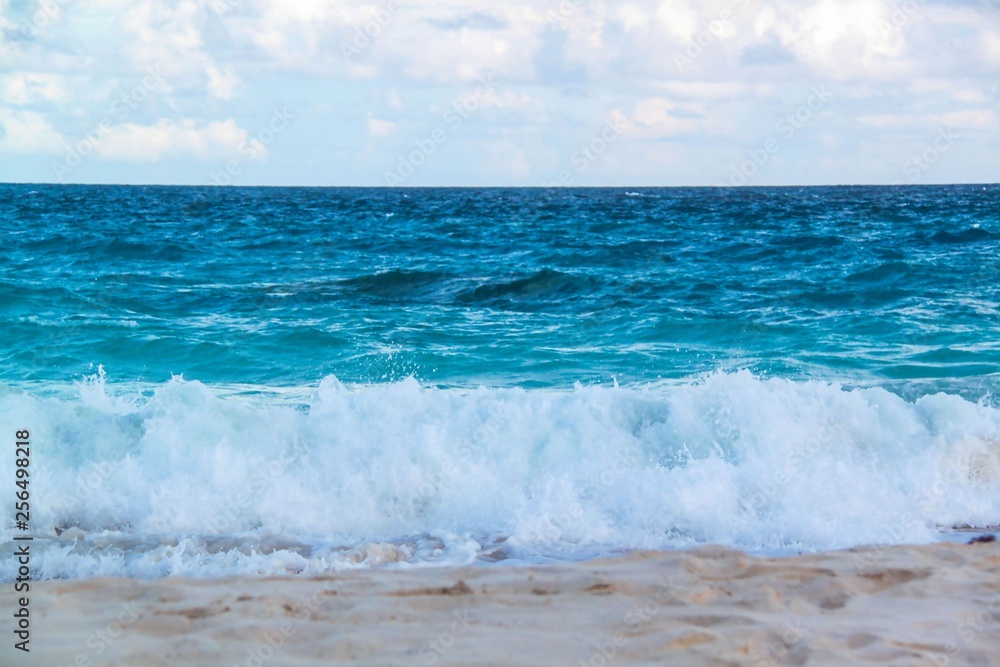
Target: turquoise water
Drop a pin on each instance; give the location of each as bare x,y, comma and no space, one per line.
532,288
447,370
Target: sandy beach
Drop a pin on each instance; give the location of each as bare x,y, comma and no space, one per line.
924,605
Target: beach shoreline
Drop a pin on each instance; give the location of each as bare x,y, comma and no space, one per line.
935,604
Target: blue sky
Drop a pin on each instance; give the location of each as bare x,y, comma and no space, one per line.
519,92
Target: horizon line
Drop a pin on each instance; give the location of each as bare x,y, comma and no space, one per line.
214,186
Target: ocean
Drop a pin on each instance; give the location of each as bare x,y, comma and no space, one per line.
220,381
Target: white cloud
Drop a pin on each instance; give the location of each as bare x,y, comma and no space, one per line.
27,132
956,90
659,118
379,128
222,83
990,40
555,79
974,119
841,39
24,88
679,19
131,142
708,89
970,119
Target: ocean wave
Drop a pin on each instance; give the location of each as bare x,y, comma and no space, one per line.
183,478
397,283
970,235
542,285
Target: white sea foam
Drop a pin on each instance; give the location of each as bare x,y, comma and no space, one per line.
196,480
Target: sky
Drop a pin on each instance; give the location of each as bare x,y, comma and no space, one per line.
510,93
